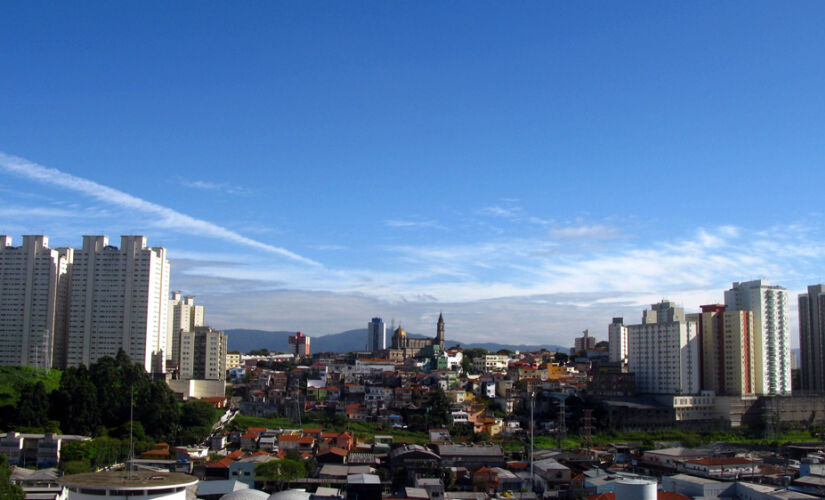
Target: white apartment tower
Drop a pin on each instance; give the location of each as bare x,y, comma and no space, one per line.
202,354
771,332
33,285
184,316
663,351
376,335
119,299
617,338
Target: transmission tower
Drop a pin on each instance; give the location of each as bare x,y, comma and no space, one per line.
561,426
587,427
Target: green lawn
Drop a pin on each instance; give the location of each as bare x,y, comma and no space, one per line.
13,378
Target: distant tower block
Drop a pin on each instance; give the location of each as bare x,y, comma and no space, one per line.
301,343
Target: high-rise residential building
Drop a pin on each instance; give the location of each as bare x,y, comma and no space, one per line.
301,345
728,364
119,299
376,335
202,354
771,332
663,351
812,339
617,339
33,286
584,343
184,315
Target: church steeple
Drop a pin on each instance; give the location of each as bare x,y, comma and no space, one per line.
439,336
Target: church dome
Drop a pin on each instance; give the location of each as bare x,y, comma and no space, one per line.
400,332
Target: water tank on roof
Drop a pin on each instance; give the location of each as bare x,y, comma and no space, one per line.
635,489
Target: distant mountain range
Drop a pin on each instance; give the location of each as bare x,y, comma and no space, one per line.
351,340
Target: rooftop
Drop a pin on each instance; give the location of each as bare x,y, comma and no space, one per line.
125,479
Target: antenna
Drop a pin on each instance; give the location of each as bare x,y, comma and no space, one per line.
131,423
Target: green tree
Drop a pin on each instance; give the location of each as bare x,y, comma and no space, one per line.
33,408
259,352
74,403
8,491
439,408
280,471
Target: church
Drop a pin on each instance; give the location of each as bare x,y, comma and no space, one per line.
404,347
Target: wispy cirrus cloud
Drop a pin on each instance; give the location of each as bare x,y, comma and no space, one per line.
163,216
507,212
414,224
592,232
214,186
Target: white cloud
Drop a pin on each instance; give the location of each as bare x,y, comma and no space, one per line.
165,217
510,212
214,186
414,224
593,232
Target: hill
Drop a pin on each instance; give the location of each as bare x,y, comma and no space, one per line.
245,340
14,378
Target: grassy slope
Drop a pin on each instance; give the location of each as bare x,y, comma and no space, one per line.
13,378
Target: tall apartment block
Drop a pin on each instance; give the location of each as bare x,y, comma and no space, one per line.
771,332
119,298
300,343
812,338
184,316
728,364
584,343
376,335
617,338
663,351
202,354
33,287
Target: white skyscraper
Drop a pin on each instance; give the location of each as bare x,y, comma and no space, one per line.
663,351
184,315
772,332
617,338
119,299
33,283
376,335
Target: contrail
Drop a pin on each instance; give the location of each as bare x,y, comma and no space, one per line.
168,217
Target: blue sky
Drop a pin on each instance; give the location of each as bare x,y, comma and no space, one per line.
529,168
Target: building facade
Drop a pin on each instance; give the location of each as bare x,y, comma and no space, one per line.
728,365
33,285
663,351
812,339
119,299
184,315
300,343
202,354
404,347
771,332
617,339
376,335
584,343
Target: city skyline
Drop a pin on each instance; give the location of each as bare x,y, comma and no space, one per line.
580,170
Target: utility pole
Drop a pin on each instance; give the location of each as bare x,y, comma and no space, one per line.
532,420
131,424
